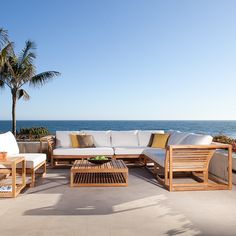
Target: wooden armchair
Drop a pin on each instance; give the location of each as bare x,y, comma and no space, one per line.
191,161
51,142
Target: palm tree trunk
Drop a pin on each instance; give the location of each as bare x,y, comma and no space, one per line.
13,112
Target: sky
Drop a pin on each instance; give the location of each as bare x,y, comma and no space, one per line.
127,59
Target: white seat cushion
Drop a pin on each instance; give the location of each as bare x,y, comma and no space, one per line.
145,135
84,151
124,138
129,150
32,159
197,139
176,138
158,155
63,138
8,143
101,138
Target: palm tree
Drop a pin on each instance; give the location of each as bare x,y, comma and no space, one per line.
19,70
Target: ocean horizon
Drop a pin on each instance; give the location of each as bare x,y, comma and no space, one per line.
212,127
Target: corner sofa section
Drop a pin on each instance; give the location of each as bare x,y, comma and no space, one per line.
186,153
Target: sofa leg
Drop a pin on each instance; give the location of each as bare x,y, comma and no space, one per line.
44,169
32,184
52,161
155,169
170,181
205,177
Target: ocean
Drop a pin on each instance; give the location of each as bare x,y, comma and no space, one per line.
205,127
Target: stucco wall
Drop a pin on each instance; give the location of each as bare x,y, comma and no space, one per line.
32,147
219,165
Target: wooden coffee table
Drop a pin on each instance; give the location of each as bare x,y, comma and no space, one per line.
110,174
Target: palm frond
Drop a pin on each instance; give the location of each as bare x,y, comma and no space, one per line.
3,36
2,84
27,55
8,48
42,78
6,51
21,93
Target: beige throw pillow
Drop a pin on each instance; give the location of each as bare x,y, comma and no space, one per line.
85,141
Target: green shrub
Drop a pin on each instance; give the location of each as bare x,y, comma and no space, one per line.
33,132
224,139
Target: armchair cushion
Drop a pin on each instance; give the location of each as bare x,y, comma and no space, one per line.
8,143
31,159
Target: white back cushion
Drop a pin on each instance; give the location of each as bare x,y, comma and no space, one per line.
145,135
197,139
176,138
8,143
63,138
101,138
124,138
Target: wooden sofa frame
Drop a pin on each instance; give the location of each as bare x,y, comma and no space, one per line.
180,160
51,141
193,161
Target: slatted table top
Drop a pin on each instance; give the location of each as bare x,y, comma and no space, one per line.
86,166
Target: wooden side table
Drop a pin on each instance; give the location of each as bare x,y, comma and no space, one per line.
9,167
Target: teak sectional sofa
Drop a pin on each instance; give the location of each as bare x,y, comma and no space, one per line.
186,153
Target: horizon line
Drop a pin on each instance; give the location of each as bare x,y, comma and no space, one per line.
116,120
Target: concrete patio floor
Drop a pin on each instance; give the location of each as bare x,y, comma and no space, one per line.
142,208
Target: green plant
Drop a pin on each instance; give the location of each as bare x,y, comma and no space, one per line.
223,139
227,140
33,132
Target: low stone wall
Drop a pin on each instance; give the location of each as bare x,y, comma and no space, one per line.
32,147
219,165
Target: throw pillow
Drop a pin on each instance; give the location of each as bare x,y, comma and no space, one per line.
74,140
160,140
85,141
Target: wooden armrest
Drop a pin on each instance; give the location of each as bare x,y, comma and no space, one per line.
47,138
211,146
51,141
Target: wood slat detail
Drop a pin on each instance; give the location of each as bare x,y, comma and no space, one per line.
114,173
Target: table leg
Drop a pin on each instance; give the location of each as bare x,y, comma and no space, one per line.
13,171
71,178
23,173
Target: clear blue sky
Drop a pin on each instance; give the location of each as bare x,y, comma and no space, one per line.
127,59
